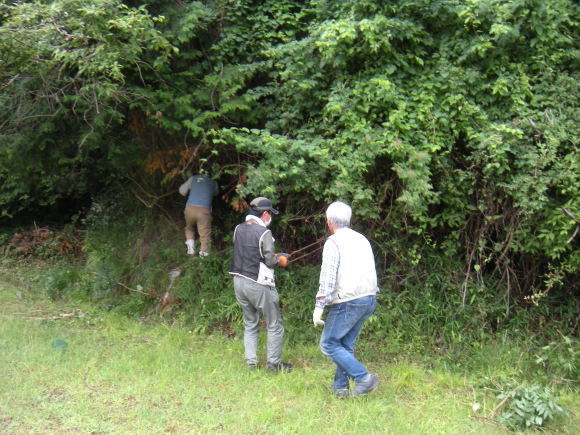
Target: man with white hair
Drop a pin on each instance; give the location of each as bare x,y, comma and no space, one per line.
348,287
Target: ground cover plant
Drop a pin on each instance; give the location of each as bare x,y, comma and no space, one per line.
72,367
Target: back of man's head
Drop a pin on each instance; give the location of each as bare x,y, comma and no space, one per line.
338,214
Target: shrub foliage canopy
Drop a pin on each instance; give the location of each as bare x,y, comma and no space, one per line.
450,126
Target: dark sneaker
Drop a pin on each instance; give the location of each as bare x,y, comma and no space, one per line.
252,367
340,392
280,367
366,386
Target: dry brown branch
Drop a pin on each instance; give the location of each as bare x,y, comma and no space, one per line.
60,316
505,399
145,203
507,246
153,197
192,155
33,311
167,300
150,294
307,218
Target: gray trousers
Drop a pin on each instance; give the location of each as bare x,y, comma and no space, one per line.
254,299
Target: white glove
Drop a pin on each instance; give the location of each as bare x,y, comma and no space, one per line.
316,316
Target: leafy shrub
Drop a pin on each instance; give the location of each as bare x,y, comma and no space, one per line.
529,406
560,359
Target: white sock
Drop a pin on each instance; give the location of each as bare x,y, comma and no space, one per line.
190,246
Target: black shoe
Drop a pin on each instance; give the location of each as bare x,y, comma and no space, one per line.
366,386
252,367
340,392
280,367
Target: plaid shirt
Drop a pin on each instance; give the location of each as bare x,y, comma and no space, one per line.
328,273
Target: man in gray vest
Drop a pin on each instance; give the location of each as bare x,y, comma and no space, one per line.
253,266
197,211
348,287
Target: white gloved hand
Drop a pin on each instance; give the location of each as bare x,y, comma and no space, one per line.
316,316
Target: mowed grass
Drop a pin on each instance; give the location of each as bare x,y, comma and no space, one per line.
121,375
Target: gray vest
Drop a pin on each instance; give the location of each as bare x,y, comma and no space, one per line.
356,276
247,253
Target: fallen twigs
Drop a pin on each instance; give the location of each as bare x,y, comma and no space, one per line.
60,316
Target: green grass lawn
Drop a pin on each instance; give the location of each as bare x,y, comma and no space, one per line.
121,375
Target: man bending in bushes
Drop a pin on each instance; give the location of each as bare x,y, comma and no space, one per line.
197,211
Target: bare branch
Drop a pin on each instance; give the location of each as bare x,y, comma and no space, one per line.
570,215
573,235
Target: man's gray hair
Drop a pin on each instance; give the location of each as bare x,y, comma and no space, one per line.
338,214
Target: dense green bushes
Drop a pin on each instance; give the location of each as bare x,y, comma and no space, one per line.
66,75
451,127
446,125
